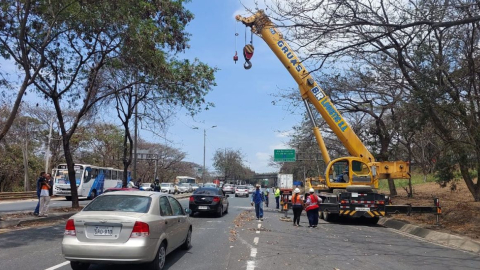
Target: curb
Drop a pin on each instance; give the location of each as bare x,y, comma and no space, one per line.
460,242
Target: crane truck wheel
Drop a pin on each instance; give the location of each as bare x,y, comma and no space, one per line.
360,189
320,214
373,221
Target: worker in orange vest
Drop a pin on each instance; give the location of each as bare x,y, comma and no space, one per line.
311,206
297,206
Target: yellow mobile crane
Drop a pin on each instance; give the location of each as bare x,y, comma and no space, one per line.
350,180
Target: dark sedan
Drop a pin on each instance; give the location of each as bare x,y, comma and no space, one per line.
209,199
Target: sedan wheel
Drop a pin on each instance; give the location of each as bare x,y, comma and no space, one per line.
79,265
159,262
188,241
220,213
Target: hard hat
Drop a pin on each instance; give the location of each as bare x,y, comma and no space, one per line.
297,190
311,190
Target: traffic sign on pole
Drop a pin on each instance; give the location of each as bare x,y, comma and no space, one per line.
284,155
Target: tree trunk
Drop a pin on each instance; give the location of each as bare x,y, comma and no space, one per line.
71,172
391,186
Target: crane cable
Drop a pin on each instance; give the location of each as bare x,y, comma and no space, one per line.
235,57
248,51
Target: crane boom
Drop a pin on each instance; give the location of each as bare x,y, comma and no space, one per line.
310,91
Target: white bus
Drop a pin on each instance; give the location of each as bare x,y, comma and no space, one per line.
91,180
185,179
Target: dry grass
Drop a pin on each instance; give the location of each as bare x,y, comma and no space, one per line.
460,214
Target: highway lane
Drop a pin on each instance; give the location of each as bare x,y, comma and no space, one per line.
238,241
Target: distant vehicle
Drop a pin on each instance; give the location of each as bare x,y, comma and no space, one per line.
146,186
251,189
185,188
167,188
185,179
127,228
119,187
210,185
228,188
208,199
195,186
91,180
241,191
216,182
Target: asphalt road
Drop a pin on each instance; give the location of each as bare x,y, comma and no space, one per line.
238,241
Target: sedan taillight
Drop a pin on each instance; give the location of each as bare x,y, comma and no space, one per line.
70,228
216,199
140,229
191,199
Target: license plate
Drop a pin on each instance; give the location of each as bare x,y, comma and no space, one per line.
203,207
103,231
366,209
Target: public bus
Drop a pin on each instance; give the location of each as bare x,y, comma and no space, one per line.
185,179
91,180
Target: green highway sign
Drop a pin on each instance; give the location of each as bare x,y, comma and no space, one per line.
284,155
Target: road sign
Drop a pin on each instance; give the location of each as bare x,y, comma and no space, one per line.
284,155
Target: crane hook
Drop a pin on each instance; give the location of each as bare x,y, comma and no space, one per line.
247,64
235,57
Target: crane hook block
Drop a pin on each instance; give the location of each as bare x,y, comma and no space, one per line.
235,58
247,64
248,51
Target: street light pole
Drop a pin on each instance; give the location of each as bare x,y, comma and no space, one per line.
204,147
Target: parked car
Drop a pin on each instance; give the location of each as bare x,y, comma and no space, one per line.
146,186
167,188
209,199
241,191
251,189
227,188
127,228
185,188
195,186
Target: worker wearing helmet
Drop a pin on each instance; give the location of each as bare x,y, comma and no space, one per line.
312,208
297,206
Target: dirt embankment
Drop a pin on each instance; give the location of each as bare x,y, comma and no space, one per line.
460,214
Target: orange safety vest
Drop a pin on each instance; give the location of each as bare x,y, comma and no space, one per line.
313,203
296,200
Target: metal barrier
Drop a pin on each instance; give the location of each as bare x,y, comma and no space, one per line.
17,195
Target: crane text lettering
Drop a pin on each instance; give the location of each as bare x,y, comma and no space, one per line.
318,93
290,55
334,114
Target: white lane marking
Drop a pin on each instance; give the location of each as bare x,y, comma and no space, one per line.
250,265
253,252
258,231
259,225
215,221
58,265
255,240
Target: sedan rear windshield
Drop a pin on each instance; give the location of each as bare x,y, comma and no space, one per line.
120,203
205,191
241,187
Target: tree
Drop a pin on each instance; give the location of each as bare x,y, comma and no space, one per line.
230,164
424,39
73,41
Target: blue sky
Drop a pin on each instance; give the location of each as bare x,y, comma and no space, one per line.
245,117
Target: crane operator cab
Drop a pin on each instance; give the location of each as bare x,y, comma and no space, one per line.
348,171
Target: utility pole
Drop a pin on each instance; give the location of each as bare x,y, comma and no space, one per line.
204,143
47,151
135,138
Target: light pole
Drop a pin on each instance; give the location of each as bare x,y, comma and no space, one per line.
204,149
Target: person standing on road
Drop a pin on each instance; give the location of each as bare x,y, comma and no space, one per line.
39,185
266,193
312,208
277,197
257,199
156,185
44,196
297,206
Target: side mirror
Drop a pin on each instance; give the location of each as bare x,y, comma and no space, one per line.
188,211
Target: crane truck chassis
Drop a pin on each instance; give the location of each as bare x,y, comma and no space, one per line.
355,196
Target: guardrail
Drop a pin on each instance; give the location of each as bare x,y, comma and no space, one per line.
17,195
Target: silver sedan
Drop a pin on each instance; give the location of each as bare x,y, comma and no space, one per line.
127,227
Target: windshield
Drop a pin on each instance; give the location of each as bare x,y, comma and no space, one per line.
120,203
61,177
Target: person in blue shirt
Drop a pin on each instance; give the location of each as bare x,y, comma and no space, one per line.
257,199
